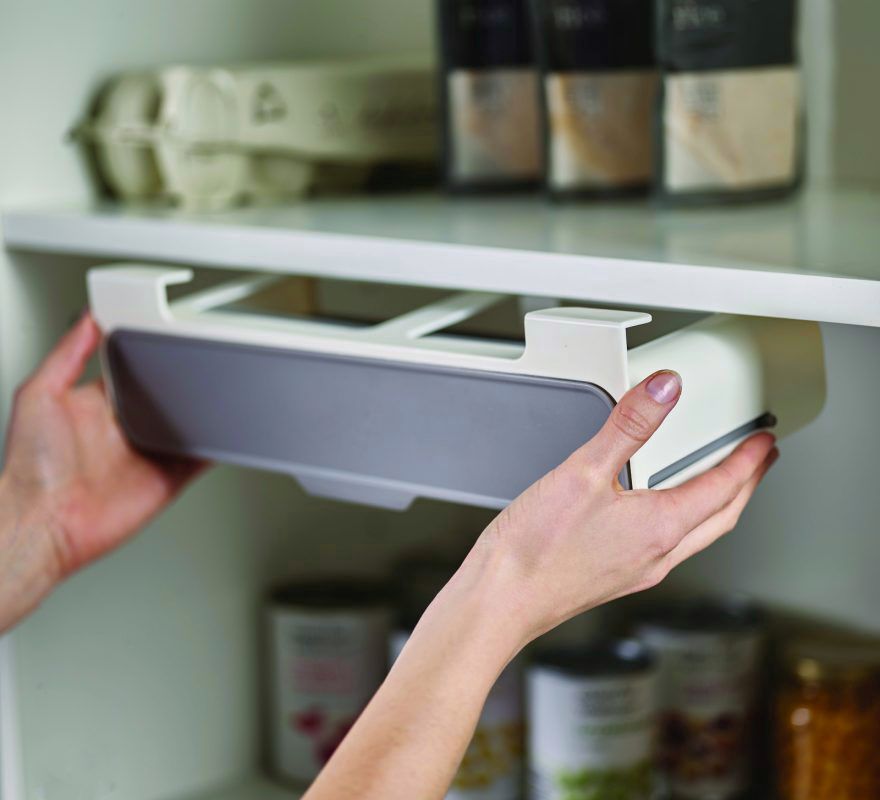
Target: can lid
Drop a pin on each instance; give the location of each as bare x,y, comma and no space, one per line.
708,615
330,594
817,660
417,580
606,658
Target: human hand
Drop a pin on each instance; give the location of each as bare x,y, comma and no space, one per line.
572,541
576,539
72,487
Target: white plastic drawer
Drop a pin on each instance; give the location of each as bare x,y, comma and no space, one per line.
384,413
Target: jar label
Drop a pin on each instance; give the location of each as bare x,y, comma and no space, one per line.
494,125
600,128
731,130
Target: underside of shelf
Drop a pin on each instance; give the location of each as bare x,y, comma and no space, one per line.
814,257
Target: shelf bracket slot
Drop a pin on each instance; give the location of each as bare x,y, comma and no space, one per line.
584,344
133,296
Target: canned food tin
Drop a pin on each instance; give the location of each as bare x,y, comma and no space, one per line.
327,657
492,765
591,717
709,658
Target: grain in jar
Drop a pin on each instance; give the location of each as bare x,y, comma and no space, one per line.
827,722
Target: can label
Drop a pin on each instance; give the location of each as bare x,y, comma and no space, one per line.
707,687
492,765
326,667
590,738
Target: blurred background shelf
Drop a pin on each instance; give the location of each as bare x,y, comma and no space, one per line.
816,256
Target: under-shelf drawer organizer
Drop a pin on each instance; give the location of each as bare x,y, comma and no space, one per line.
386,413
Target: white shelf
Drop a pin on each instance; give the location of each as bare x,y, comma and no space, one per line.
814,257
255,788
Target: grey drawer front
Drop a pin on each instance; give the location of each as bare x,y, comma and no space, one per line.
366,430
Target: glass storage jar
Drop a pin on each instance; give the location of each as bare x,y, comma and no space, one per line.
828,723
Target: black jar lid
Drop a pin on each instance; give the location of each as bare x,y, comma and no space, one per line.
594,35
602,659
481,34
700,35
331,594
704,616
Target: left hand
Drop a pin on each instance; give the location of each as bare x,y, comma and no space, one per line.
72,488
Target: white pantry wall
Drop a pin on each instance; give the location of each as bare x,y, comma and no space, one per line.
138,679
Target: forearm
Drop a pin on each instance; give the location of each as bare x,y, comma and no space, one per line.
409,741
27,560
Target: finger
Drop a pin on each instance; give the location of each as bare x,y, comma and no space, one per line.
705,495
632,422
725,520
63,366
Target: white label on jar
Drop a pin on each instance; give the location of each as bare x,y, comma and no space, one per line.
707,691
589,735
600,128
326,667
492,765
494,125
731,129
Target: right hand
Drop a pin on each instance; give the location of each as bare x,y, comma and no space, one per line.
576,539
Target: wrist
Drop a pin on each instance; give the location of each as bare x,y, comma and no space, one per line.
29,561
476,614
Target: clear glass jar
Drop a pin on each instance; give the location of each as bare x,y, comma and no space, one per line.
827,723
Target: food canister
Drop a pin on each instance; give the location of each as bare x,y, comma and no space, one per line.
489,85
729,117
827,721
492,766
591,723
327,657
709,657
600,80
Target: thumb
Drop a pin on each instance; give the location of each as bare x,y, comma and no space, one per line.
633,421
63,366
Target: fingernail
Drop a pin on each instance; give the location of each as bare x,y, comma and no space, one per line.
664,387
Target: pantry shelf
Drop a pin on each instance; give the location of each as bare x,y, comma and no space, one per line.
814,257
